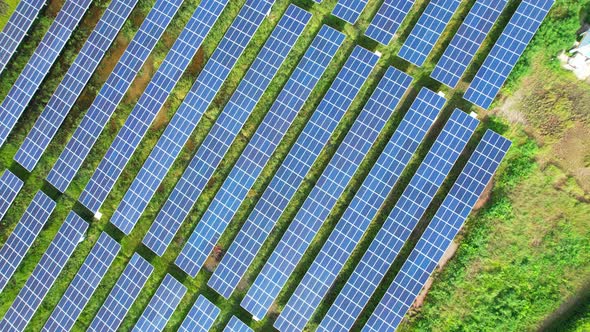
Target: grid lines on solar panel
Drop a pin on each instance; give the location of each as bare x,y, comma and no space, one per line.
428,30
523,25
262,145
45,273
73,83
331,184
39,64
437,237
155,95
189,113
83,285
397,228
24,234
201,316
301,157
161,306
10,186
369,197
126,289
388,20
236,325
16,28
349,10
111,93
468,39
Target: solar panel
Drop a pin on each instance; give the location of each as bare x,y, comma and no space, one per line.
16,28
505,54
122,296
161,306
112,93
83,285
189,113
10,186
39,64
471,34
23,236
226,128
349,10
388,20
396,229
236,325
45,273
201,317
152,100
330,186
310,143
73,83
437,237
428,30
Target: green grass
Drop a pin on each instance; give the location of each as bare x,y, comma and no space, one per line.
7,7
514,171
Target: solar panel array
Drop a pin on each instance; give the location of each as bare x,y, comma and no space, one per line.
44,275
189,113
39,64
468,39
310,143
161,306
428,30
330,186
151,101
395,231
505,54
122,296
226,128
112,93
10,186
349,10
16,28
83,285
236,325
201,316
73,83
437,237
388,20
26,231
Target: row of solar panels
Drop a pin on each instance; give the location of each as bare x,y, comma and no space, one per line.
299,161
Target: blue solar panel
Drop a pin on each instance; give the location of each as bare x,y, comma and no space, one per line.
428,30
85,282
436,239
161,306
505,54
349,10
23,236
112,93
330,186
39,64
46,272
262,145
16,28
73,83
236,325
189,113
300,159
388,20
201,317
152,100
10,185
122,296
471,34
396,229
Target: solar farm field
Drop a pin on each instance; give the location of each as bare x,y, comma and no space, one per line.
261,165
